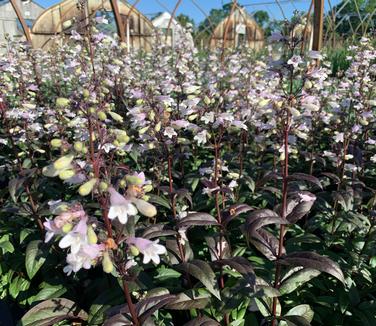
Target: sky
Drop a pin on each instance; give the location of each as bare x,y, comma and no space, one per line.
197,9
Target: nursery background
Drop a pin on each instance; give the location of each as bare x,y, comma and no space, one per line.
187,162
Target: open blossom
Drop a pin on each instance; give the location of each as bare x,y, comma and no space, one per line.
295,60
75,238
121,207
170,132
150,249
339,137
84,258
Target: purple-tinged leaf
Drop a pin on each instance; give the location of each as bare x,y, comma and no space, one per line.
313,260
241,265
202,271
194,219
234,211
298,205
190,299
53,311
332,176
266,243
305,177
156,231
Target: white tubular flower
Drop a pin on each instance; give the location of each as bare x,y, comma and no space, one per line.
120,208
150,249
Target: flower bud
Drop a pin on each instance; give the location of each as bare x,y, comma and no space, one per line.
91,235
62,102
145,208
92,110
56,143
263,103
107,264
103,186
86,93
102,116
294,112
148,188
67,227
157,127
78,146
140,101
116,117
63,162
206,100
308,84
86,188
134,180
143,130
192,117
123,137
66,174
151,115
122,183
134,251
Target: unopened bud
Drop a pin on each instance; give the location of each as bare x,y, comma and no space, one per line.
63,162
87,187
107,264
56,143
148,188
66,174
103,186
134,251
134,180
145,208
157,127
102,116
116,117
78,146
91,235
62,102
67,227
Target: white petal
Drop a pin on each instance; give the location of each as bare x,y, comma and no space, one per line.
146,259
112,213
123,217
66,241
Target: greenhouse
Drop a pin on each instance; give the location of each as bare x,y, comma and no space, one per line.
187,163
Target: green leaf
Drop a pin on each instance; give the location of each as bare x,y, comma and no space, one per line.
102,303
48,292
6,245
159,200
204,273
50,312
298,279
302,310
18,285
165,273
35,257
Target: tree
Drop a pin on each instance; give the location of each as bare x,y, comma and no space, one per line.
184,20
354,17
263,20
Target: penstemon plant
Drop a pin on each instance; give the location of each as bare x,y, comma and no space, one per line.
184,188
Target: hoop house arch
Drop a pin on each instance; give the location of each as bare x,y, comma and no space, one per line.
238,29
71,15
